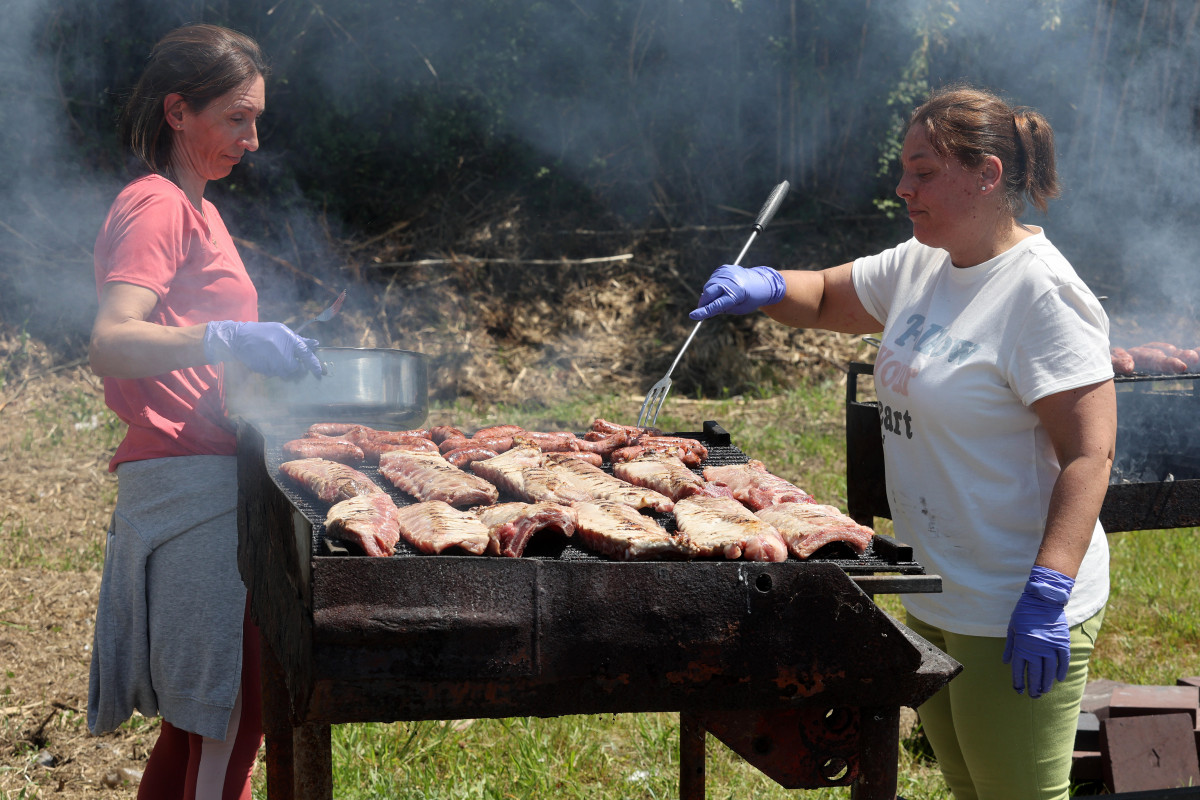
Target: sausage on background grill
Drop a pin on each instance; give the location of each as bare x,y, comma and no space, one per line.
1151,359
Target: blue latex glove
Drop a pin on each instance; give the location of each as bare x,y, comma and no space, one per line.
1039,640
738,290
267,347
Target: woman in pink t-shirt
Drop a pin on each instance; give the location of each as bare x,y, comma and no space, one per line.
172,634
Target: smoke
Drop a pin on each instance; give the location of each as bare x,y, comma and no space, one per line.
665,110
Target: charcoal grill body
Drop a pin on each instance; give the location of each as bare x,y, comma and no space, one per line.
791,664
1156,475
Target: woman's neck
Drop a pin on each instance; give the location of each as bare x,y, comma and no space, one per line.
999,240
191,184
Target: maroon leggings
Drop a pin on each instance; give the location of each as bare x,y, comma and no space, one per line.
186,765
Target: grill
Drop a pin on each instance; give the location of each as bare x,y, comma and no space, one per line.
789,664
1155,482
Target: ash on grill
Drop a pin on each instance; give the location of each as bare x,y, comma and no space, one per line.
882,555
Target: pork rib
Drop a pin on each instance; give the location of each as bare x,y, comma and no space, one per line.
721,526
328,480
755,486
667,475
807,527
371,521
602,486
519,473
620,532
428,476
433,527
511,525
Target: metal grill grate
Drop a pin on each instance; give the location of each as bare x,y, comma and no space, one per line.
882,555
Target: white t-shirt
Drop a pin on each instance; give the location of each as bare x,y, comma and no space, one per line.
969,467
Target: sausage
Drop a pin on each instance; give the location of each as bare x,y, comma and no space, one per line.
464,456
606,428
1122,362
498,443
329,449
331,428
497,431
440,433
1149,359
603,445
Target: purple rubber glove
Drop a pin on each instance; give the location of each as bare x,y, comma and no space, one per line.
738,290
1038,637
267,347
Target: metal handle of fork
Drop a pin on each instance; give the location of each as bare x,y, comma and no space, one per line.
764,216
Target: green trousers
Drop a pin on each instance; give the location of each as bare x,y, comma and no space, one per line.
992,743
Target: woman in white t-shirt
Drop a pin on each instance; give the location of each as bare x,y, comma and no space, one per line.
998,415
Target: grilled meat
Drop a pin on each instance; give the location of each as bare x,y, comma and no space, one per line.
511,525
667,475
602,486
606,428
428,476
620,532
441,433
755,486
371,521
721,526
498,443
629,453
807,527
463,456
328,480
519,472
326,448
1151,359
603,444
1122,362
552,442
434,526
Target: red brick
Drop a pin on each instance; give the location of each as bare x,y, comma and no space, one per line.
1096,696
1149,752
1140,701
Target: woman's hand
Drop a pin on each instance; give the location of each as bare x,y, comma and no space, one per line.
737,290
271,348
1039,640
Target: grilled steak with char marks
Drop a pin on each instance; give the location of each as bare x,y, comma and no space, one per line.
723,526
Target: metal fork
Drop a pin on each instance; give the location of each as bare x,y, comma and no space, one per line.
327,314
658,392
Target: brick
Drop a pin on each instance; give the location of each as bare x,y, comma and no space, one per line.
1096,696
1192,681
1140,701
1149,752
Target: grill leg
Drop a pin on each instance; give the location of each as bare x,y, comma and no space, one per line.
277,726
878,754
691,757
299,758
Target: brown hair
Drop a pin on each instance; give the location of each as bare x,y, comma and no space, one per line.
198,62
969,124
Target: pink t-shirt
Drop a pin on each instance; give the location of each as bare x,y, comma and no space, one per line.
155,238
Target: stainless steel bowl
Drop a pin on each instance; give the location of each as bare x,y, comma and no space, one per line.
374,386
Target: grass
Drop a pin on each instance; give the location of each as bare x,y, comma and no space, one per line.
1151,631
